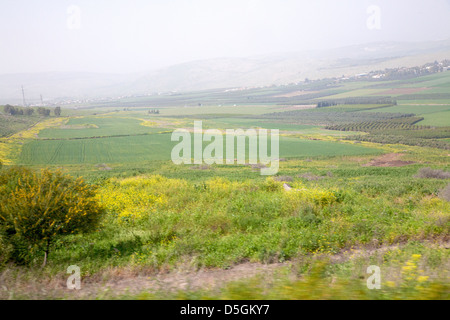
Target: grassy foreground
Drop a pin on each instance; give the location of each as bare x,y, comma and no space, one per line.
216,220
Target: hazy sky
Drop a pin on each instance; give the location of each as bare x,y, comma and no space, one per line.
140,35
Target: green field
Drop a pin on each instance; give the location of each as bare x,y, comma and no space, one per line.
156,147
236,123
435,80
235,110
418,110
434,115
424,102
97,127
437,119
356,93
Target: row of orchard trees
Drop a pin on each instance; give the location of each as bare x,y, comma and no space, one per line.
14,111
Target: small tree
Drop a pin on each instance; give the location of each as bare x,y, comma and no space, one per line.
29,111
57,111
7,109
37,208
11,110
43,111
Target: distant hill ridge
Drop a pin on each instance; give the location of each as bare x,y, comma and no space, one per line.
259,70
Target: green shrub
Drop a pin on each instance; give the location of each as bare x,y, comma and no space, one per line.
271,185
36,208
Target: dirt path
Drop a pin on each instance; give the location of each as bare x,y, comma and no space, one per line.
118,282
216,278
388,160
173,281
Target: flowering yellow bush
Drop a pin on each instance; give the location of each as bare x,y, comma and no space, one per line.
130,198
271,185
5,152
138,197
148,123
313,195
218,184
156,182
38,207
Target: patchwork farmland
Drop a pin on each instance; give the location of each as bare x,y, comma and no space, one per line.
362,180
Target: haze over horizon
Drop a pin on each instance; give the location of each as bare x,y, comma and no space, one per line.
137,36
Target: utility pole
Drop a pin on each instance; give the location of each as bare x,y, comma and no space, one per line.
23,96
